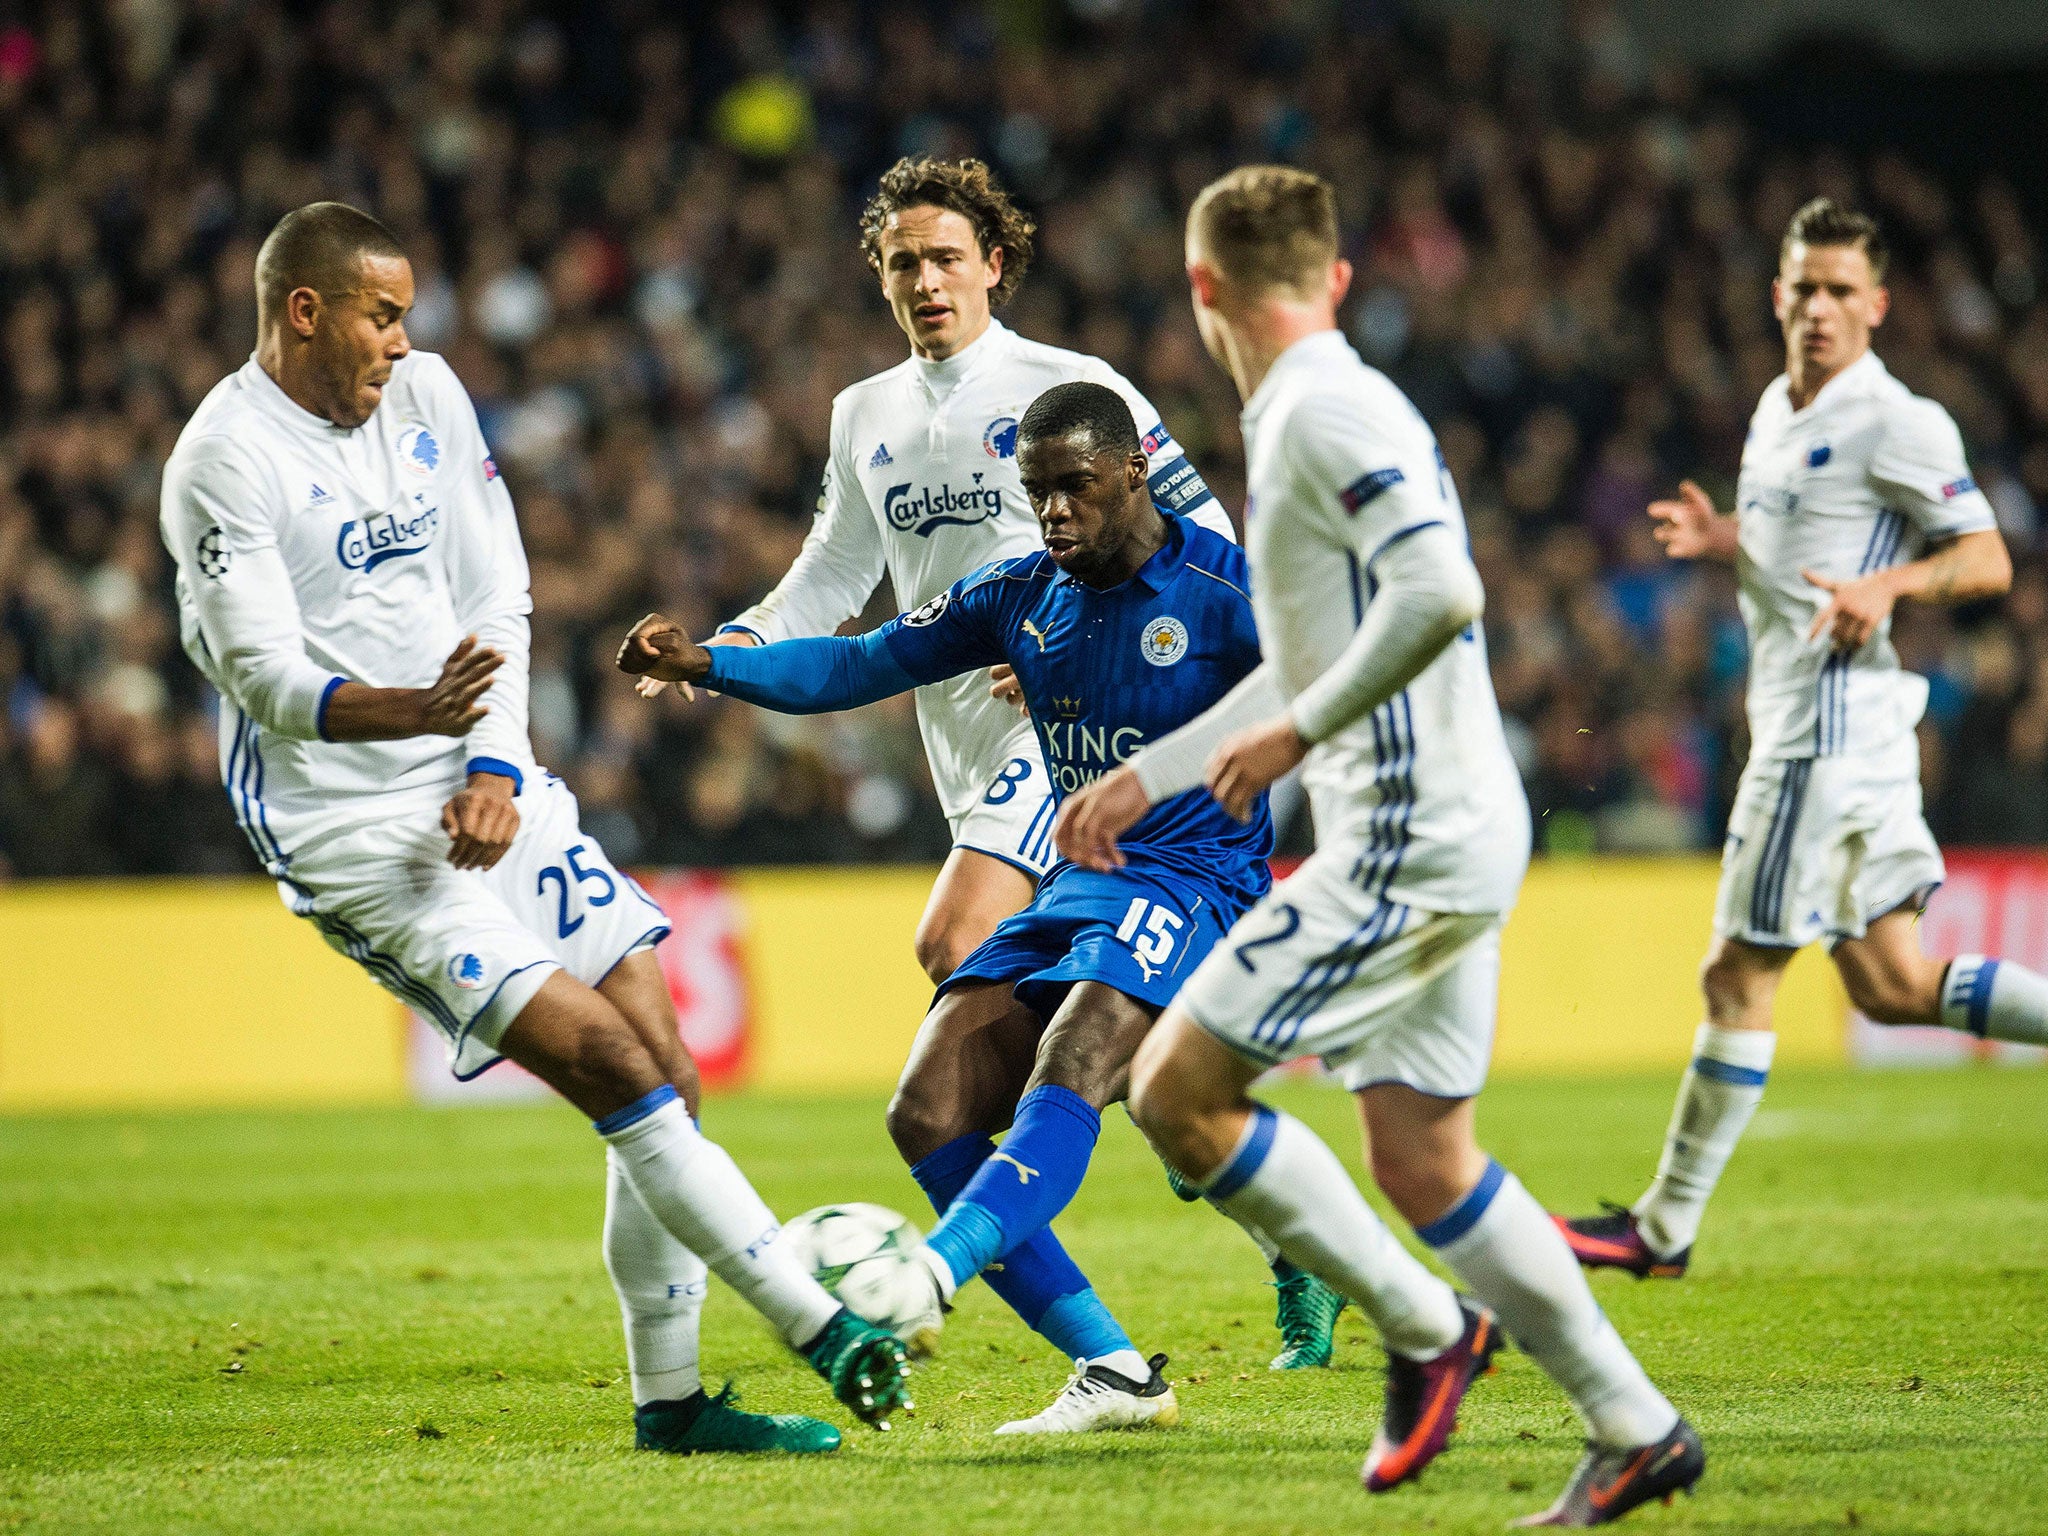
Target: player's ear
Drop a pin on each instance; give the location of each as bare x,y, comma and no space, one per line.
1880,305
1341,273
1202,280
302,310
995,268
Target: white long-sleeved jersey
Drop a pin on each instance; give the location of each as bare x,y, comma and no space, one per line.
309,555
1341,467
922,483
1865,477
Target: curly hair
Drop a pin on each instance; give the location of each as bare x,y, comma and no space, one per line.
970,189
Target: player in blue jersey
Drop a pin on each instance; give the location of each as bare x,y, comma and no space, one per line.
1128,624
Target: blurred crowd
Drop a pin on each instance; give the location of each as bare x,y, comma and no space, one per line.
632,227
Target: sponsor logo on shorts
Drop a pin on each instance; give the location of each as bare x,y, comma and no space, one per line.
1164,642
466,971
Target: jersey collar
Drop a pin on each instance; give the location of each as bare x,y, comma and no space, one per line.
271,399
1852,380
1318,349
944,377
1156,574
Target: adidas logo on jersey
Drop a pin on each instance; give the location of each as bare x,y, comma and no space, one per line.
321,497
881,456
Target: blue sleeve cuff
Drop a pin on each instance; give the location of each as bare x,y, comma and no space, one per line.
741,629
320,710
499,766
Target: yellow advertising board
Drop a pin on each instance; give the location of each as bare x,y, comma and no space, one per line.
198,991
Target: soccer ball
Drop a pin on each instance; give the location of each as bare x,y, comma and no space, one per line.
867,1256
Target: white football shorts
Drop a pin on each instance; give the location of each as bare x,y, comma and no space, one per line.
1383,993
1012,818
467,949
1819,847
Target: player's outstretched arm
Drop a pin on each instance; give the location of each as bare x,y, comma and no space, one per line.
448,707
793,677
1963,570
1690,529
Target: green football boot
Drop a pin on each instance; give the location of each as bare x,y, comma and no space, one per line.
703,1423
1307,1319
867,1368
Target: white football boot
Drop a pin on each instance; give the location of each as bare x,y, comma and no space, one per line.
1095,1397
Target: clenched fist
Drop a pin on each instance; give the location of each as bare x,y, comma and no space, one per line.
658,647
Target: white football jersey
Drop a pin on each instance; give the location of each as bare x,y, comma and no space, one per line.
922,482
309,555
1341,465
1866,477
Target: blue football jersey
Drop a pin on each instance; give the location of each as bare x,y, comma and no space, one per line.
1104,672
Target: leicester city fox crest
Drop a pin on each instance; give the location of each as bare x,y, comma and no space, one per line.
1164,641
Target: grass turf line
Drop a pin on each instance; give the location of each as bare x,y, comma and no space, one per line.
426,1339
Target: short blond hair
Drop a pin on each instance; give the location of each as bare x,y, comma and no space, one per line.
1267,226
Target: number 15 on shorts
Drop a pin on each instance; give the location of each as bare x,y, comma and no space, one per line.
1151,937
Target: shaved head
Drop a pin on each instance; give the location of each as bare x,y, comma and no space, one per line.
332,292
321,246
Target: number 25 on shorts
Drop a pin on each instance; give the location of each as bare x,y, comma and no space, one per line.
564,924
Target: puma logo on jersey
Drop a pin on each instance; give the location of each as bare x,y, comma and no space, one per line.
1035,633
1024,1175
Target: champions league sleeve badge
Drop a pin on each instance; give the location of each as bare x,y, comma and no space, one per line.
919,617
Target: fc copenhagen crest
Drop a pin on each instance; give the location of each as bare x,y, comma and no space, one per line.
1164,642
418,452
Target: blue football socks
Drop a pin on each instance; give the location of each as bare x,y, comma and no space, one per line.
1038,1280
1018,1190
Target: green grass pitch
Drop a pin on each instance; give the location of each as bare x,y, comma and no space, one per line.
398,1321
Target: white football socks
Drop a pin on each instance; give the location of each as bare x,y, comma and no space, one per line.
661,1292
1995,1000
698,1193
1268,1249
1720,1091
1283,1181
1504,1246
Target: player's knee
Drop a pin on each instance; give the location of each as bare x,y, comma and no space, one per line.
577,1041
941,945
1887,997
1168,1110
1731,988
919,1119
1399,1175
